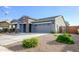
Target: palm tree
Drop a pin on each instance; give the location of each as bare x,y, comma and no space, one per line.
2,10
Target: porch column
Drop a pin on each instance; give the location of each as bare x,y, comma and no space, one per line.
10,26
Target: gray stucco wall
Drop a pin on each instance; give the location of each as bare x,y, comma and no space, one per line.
59,21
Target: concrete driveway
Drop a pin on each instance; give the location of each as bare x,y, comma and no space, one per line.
6,39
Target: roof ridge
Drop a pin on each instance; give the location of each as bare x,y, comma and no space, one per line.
50,16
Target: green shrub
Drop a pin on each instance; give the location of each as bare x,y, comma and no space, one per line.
5,30
52,32
29,43
65,39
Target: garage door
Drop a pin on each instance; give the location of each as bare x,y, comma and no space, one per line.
42,28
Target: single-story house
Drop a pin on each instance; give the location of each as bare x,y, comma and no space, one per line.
43,25
4,24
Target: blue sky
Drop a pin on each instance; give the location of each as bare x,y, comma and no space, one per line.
71,14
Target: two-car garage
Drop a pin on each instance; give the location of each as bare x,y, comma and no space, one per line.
43,27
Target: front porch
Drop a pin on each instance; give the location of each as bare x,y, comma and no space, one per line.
24,28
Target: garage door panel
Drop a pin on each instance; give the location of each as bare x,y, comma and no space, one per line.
42,28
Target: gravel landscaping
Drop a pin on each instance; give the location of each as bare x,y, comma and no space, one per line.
47,44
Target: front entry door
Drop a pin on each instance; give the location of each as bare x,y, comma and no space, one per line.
30,25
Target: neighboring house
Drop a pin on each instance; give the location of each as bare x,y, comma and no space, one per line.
4,24
43,25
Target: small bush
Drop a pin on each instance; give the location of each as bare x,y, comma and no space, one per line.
29,43
55,35
65,39
4,30
52,32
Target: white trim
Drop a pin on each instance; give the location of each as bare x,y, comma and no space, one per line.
42,23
